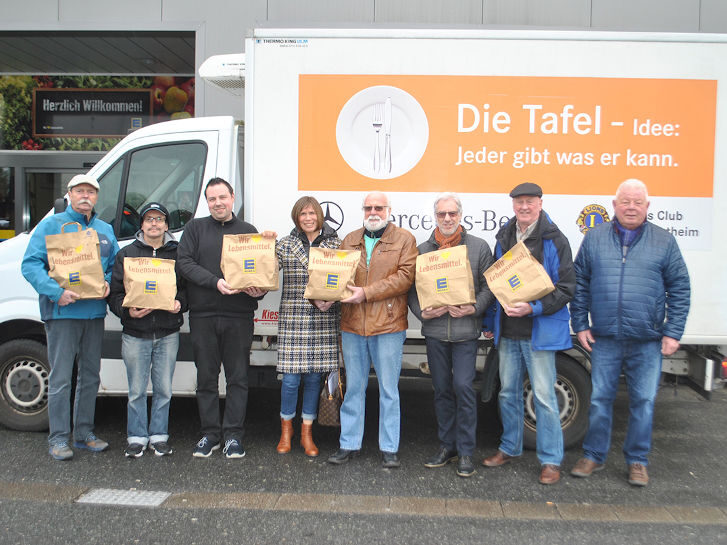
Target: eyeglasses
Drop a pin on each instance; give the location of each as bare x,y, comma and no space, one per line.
368,209
158,219
442,215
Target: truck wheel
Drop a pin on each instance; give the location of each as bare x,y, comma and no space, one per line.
573,389
24,371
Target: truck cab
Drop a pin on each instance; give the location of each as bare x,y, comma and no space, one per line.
167,162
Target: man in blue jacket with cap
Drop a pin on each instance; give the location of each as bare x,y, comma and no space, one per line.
528,334
73,326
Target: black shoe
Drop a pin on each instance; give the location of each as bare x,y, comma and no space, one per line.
465,467
341,456
441,458
161,448
390,459
233,449
205,447
134,450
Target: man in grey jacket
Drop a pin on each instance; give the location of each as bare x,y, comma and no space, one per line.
451,334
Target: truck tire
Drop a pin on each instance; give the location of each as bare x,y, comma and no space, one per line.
573,389
24,371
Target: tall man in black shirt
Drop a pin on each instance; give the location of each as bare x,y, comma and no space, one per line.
220,322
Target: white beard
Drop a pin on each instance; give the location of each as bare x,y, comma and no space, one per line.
374,223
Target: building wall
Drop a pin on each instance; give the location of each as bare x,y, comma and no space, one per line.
221,25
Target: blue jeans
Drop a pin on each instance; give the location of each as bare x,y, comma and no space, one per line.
68,340
359,352
517,356
289,395
641,363
143,357
455,403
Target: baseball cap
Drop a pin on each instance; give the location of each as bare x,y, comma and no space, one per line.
528,188
154,206
79,179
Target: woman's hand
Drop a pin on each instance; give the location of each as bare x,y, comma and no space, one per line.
321,305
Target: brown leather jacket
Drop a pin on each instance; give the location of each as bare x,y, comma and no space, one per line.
386,282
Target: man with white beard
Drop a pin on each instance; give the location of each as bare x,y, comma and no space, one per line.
373,327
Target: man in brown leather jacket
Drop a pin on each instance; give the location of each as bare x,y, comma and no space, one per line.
373,327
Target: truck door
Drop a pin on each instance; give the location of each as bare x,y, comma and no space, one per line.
171,173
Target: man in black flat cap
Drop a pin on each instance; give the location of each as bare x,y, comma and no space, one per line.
528,335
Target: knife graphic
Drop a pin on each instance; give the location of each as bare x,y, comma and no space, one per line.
387,135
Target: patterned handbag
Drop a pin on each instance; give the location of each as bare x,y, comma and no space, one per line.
329,404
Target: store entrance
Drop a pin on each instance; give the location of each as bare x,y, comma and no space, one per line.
30,182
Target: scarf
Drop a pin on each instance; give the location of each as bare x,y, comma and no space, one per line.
447,242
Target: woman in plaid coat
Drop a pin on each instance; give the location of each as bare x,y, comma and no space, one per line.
307,330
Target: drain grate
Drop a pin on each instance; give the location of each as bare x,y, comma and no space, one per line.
137,498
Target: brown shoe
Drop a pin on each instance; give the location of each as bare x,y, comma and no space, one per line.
286,434
638,476
584,467
306,440
549,474
497,459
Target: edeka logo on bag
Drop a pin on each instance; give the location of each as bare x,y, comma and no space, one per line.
150,286
332,281
248,265
442,285
514,282
74,278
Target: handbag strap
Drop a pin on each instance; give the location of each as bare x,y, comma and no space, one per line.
341,364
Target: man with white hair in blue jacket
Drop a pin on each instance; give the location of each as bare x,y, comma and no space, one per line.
74,327
632,280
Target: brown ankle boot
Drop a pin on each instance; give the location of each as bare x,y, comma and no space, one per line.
286,434
306,440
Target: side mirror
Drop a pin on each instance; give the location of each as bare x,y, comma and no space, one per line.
59,205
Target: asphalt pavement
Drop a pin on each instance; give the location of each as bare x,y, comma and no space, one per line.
270,498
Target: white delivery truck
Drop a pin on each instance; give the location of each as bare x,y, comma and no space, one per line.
470,111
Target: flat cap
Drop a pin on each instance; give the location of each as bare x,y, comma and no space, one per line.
528,188
79,179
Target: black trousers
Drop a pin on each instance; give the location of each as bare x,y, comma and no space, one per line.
225,341
455,402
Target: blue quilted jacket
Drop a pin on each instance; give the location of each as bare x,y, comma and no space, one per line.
627,296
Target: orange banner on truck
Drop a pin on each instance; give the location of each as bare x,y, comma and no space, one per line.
486,134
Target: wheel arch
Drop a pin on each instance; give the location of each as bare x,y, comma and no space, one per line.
22,329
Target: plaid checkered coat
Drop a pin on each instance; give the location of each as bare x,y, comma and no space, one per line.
307,337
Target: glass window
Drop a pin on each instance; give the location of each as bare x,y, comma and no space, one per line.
170,174
108,195
43,188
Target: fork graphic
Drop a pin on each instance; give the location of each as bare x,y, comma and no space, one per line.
377,123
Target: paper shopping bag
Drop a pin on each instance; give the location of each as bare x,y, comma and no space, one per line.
517,277
329,273
75,262
149,282
444,277
249,261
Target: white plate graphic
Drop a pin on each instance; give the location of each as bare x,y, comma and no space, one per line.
356,137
